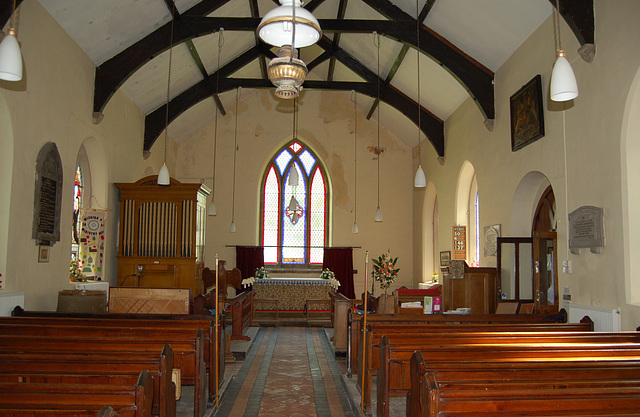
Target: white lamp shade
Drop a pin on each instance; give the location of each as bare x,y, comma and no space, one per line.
378,217
10,58
232,228
212,208
163,175
420,181
276,28
354,229
294,177
563,82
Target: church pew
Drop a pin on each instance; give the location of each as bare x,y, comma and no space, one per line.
145,324
574,400
486,369
20,399
394,374
355,320
188,353
95,369
241,314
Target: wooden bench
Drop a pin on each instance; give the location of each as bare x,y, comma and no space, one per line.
271,303
394,373
241,314
77,400
316,305
559,371
188,353
147,323
571,399
339,310
96,369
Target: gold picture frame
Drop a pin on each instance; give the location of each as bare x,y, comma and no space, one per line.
43,254
445,258
527,115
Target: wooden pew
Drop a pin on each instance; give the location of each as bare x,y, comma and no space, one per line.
96,369
241,314
355,329
394,373
146,323
595,371
575,400
339,308
188,353
76,400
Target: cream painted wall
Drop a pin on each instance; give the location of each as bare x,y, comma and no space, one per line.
326,125
54,103
593,129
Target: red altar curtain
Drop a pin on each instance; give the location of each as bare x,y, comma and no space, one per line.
340,262
248,258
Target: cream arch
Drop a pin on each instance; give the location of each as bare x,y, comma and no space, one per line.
6,173
429,261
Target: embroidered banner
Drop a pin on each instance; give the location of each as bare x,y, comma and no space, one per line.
92,242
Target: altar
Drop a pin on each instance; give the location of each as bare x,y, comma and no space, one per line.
292,293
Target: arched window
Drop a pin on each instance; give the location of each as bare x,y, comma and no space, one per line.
78,193
294,217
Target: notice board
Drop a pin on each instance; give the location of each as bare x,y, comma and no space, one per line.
459,243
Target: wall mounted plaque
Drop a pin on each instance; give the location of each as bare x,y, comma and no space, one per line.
586,229
491,235
459,243
47,196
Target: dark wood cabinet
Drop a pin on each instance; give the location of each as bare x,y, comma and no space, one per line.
477,290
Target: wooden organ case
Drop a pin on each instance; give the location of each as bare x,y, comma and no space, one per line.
161,238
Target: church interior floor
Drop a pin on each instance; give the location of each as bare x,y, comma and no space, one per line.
286,372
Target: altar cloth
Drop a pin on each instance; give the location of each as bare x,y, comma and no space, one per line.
292,293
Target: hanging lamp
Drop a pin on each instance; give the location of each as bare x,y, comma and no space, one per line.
277,25
163,176
420,181
354,228
232,227
564,86
376,41
10,56
294,177
212,207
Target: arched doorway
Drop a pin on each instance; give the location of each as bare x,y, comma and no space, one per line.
545,254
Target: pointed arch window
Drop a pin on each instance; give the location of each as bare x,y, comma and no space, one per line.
294,217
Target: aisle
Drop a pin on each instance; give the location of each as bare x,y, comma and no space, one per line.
288,371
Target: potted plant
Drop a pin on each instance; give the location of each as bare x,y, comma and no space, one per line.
385,272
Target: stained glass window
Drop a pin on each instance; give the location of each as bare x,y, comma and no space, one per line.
294,216
78,192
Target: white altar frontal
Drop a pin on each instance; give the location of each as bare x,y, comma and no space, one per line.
292,293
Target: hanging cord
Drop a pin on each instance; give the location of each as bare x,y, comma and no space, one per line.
13,14
293,32
559,41
376,42
215,130
166,120
418,57
235,152
355,156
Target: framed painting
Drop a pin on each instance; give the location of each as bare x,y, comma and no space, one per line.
445,258
43,254
527,117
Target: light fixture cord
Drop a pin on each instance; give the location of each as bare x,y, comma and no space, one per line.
559,48
376,41
166,120
215,130
418,58
293,31
13,14
355,156
235,152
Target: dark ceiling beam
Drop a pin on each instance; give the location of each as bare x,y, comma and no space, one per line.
255,12
580,16
6,7
319,60
203,71
402,54
342,7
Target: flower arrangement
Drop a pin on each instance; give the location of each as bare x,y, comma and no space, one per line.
327,274
75,272
261,273
384,270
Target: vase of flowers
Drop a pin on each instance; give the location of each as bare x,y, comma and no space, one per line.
261,273
329,275
75,272
384,270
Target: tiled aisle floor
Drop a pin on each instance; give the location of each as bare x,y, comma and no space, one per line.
288,371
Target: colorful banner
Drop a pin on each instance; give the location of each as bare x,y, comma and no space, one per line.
91,250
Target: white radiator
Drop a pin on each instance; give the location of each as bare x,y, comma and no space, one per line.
9,301
604,319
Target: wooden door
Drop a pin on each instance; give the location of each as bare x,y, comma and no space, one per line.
546,272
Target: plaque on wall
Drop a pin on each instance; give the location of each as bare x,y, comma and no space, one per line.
491,235
586,229
47,196
459,243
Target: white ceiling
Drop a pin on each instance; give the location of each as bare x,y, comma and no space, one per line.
487,30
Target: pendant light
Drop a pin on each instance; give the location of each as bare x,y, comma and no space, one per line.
163,176
354,228
563,81
376,41
212,206
232,228
294,178
10,56
276,26
420,181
